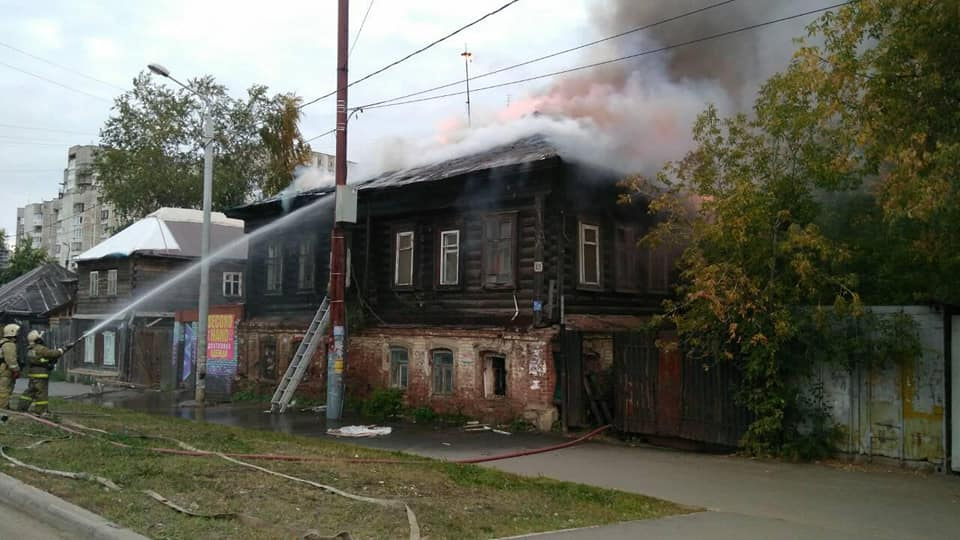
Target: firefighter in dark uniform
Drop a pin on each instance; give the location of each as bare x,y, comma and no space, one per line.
40,361
9,367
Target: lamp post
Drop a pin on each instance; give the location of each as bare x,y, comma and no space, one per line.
204,303
467,56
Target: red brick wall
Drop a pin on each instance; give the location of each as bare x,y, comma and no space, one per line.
529,361
286,337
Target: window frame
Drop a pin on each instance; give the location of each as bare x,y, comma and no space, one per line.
653,254
93,287
442,251
581,248
112,275
397,234
395,364
277,262
306,285
629,255
491,393
486,260
227,279
435,371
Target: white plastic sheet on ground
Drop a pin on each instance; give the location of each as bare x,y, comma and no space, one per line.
360,431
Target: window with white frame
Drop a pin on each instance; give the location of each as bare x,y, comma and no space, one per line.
112,282
399,367
450,257
305,265
589,254
94,284
403,273
274,268
232,284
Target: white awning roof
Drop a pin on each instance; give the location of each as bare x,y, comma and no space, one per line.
148,234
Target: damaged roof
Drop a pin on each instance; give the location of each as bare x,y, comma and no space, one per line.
522,152
38,292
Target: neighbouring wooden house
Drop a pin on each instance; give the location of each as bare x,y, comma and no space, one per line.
132,285
42,299
474,278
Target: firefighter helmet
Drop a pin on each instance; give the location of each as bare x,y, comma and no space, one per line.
11,330
34,337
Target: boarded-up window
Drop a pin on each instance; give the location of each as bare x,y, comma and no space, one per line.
589,254
442,366
306,264
449,257
499,246
112,282
94,284
274,268
626,256
403,274
89,349
399,367
658,274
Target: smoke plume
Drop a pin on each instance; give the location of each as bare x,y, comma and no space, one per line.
637,114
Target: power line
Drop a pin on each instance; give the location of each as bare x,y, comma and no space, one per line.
34,128
560,53
65,68
360,30
324,134
51,81
416,52
391,103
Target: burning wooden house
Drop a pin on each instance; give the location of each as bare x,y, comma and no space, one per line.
132,286
469,280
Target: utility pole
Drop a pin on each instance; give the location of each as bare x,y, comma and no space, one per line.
466,54
336,355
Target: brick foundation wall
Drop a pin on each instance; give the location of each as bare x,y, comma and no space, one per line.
530,373
250,372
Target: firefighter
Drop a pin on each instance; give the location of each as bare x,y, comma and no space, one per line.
40,361
9,367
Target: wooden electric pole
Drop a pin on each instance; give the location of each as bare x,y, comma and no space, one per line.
336,357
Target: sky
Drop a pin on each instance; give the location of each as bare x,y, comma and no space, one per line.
288,45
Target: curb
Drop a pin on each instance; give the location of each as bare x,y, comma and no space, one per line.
59,513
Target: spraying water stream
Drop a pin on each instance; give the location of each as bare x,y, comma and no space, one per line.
290,218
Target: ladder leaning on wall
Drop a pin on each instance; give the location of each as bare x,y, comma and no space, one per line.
301,359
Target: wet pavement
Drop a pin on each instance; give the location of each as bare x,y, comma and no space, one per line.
441,442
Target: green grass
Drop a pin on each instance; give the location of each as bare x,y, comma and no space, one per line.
451,501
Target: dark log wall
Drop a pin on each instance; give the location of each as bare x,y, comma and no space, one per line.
311,224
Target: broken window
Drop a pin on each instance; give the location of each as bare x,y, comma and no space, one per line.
112,282
274,268
94,284
399,367
403,275
499,234
450,257
305,268
232,284
442,371
627,277
268,358
589,254
494,376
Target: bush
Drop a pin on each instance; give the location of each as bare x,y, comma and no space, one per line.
383,404
424,415
249,395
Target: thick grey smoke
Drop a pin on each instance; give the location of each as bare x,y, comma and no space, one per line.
635,115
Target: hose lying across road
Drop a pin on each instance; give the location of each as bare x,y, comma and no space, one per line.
286,457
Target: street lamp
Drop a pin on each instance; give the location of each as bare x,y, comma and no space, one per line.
204,303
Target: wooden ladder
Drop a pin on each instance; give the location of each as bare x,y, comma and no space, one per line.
301,359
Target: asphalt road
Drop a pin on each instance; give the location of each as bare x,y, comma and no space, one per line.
14,524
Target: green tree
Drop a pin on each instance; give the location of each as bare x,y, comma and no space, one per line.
24,259
286,149
877,93
152,152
